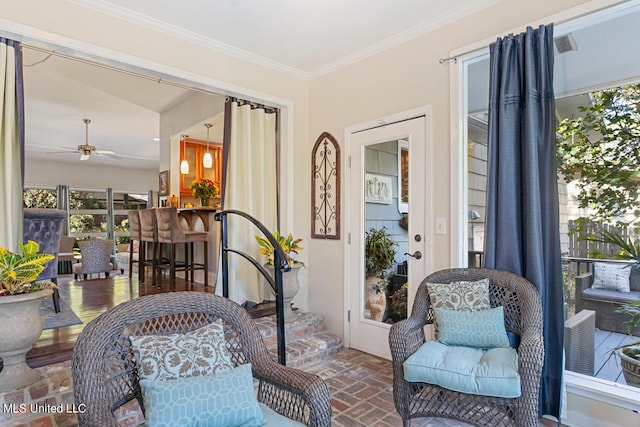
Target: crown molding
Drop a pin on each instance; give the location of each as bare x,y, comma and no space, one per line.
192,37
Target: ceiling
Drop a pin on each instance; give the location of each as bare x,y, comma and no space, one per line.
125,110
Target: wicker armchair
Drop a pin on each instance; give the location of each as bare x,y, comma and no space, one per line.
523,316
105,377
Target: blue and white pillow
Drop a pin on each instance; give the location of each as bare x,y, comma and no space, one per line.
479,329
226,399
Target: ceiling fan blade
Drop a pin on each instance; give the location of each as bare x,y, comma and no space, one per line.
105,152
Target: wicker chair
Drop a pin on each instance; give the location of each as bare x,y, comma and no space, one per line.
105,377
523,316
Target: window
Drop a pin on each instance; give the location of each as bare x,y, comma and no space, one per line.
122,202
578,74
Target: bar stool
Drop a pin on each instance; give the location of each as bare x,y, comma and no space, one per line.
148,238
135,234
170,232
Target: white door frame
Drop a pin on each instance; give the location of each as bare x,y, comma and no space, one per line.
349,209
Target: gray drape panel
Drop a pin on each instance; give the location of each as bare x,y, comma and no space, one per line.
522,234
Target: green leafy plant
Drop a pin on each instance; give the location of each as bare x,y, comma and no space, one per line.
18,272
629,249
380,252
633,310
399,305
288,244
599,151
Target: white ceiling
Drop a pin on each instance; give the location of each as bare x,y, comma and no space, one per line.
302,37
294,36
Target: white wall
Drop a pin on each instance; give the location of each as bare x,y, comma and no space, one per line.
86,175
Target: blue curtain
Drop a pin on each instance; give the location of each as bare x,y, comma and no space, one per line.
522,219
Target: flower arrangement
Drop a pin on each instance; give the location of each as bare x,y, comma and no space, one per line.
18,272
288,244
204,188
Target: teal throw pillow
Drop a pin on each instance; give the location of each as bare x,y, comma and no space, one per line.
226,399
479,329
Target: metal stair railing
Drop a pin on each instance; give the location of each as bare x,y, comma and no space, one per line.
280,265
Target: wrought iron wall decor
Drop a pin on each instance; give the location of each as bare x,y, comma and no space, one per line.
325,188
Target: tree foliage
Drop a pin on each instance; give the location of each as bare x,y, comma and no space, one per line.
601,151
40,198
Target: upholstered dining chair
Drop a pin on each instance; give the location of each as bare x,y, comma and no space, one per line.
65,253
44,226
96,258
109,370
485,366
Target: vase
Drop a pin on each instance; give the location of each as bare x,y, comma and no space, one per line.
630,368
290,287
204,201
376,301
23,326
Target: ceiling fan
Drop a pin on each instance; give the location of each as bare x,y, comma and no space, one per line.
86,150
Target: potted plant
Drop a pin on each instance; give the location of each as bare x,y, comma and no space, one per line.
379,257
20,300
629,354
204,189
290,280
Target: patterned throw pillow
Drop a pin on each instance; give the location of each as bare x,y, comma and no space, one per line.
226,399
469,296
479,329
611,276
196,353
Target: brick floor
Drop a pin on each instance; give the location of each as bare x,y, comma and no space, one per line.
361,389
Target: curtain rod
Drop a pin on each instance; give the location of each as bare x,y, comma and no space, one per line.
562,21
144,76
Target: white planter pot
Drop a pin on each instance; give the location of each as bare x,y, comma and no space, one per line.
376,302
630,368
290,288
23,326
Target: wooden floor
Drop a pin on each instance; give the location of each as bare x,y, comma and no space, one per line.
89,298
606,366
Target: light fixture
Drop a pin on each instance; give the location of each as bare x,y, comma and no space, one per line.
207,160
184,165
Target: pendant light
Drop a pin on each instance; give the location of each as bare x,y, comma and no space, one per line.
184,165
207,160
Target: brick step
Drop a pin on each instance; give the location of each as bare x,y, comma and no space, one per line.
309,349
306,339
306,324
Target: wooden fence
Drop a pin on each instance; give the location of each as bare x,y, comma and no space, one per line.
580,247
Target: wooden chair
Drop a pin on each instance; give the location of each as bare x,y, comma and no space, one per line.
105,375
522,318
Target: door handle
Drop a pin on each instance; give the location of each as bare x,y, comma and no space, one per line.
416,254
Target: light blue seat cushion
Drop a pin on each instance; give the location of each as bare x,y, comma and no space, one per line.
492,372
274,419
226,399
